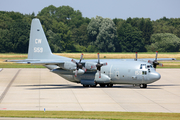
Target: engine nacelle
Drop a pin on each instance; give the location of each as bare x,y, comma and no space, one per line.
68,66
104,78
80,72
90,65
67,72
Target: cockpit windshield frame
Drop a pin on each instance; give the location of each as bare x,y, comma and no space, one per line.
144,66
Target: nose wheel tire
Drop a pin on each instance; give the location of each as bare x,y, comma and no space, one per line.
143,85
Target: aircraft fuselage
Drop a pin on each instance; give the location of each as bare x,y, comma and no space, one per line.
118,72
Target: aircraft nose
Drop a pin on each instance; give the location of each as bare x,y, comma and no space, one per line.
156,76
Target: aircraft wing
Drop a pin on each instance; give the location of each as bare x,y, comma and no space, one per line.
143,59
55,62
19,60
38,62
158,59
46,62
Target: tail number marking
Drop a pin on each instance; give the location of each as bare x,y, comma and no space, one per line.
38,49
38,41
138,73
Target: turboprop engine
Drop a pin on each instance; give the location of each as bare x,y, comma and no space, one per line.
67,72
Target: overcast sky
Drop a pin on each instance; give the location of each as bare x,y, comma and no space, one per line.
154,9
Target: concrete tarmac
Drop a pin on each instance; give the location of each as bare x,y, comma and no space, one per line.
39,89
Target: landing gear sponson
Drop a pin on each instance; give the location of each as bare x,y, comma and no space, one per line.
111,85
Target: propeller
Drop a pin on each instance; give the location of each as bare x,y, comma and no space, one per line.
155,63
78,65
136,57
99,65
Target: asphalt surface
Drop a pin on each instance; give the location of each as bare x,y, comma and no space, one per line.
39,89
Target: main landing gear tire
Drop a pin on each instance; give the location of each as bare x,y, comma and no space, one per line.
143,85
109,85
92,85
102,85
85,85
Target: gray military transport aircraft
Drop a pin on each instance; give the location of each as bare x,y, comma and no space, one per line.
90,72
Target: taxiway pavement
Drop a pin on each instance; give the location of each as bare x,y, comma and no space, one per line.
39,89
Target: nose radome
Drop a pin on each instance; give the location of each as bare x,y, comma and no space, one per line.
157,76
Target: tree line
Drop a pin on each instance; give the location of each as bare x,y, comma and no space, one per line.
67,31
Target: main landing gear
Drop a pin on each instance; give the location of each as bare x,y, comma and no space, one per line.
104,85
143,85
89,85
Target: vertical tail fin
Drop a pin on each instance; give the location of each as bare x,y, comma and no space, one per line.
38,44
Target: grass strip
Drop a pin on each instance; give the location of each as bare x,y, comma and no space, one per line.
16,65
92,115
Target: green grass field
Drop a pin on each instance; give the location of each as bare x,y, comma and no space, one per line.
92,115
16,65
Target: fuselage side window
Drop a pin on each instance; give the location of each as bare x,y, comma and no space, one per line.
144,72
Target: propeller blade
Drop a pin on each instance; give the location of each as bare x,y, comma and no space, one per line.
73,61
81,57
98,57
99,74
156,55
84,69
151,62
78,65
76,73
136,57
154,66
155,63
161,64
104,64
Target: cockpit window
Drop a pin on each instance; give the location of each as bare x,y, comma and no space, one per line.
143,66
149,66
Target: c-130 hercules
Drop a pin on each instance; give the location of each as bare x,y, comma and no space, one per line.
90,72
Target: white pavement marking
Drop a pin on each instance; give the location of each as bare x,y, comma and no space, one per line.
36,89
8,86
